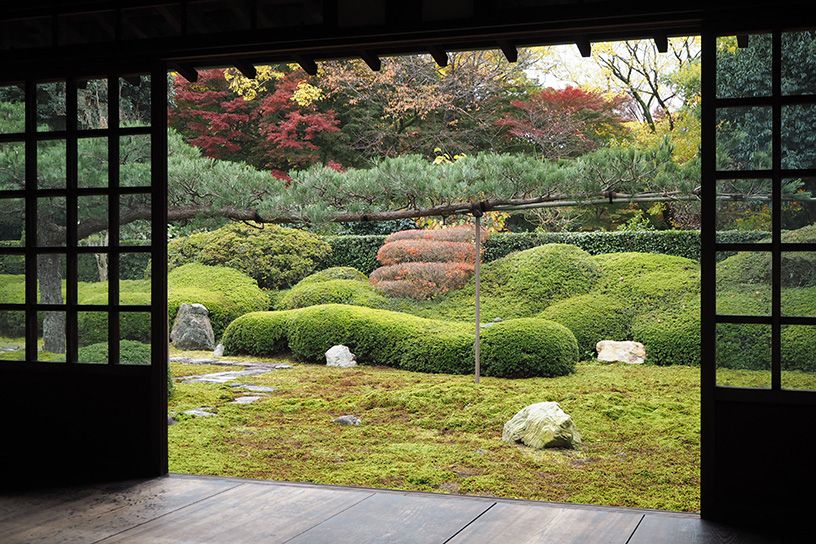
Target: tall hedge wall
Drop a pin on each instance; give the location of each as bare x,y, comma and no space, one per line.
360,252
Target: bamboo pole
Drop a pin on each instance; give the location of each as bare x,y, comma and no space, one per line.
477,223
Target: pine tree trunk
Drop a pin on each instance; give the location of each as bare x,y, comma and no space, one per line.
50,280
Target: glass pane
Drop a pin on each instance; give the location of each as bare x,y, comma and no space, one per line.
133,266
743,355
51,165
134,217
744,71
798,357
744,138
12,336
51,221
134,159
92,220
51,330
798,62
12,109
92,104
744,283
12,166
51,278
798,203
92,162
798,145
743,207
12,279
134,101
92,273
51,106
92,330
12,222
134,346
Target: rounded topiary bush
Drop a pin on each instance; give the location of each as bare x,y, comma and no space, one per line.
754,267
334,273
528,347
743,346
134,326
592,318
130,353
227,293
442,352
12,291
670,336
352,292
799,348
425,251
648,279
275,257
258,333
421,281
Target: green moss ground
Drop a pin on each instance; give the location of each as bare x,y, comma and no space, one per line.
442,433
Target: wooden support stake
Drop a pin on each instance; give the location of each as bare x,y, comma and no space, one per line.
477,224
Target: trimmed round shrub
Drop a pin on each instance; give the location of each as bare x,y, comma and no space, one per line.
12,291
445,352
351,292
258,333
134,326
744,346
671,336
799,348
754,267
421,281
227,293
528,347
276,257
425,251
648,279
592,318
334,273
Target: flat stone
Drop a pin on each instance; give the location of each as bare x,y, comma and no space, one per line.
348,420
7,349
224,377
542,425
612,351
199,412
246,400
254,388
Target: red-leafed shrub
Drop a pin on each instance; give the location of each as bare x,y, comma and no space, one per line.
421,281
425,251
453,234
421,264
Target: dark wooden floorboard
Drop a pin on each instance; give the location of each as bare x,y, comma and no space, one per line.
528,524
395,518
105,511
656,529
250,513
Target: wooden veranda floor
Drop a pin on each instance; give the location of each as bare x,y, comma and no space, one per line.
191,509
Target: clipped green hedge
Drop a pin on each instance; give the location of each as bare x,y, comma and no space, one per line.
276,257
592,318
358,252
130,353
670,336
528,347
352,292
334,273
381,337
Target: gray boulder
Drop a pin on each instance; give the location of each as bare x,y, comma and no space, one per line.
542,425
192,329
348,420
611,351
340,356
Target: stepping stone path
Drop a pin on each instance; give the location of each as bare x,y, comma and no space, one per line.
251,369
254,388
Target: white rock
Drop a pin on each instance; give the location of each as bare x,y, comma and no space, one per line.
348,420
219,351
340,356
200,412
611,351
249,399
542,425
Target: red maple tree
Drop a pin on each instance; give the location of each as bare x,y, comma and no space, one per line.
565,122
